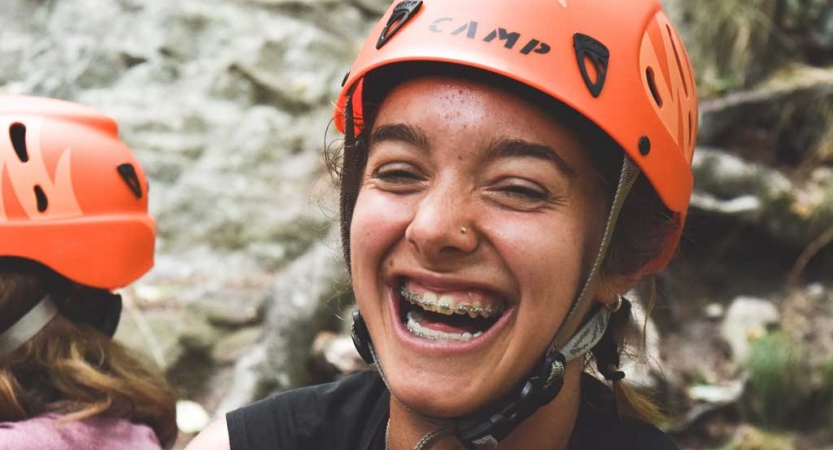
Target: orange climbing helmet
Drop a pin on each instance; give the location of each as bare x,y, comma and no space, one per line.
619,63
72,195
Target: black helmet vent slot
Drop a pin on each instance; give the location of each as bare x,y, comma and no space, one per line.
677,57
17,134
652,85
128,174
591,51
402,13
40,196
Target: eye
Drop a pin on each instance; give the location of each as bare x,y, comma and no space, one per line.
521,191
397,177
520,194
396,173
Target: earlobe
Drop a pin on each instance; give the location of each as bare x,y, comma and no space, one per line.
610,289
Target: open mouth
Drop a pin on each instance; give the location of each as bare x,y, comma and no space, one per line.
446,316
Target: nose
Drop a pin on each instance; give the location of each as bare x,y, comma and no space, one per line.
443,225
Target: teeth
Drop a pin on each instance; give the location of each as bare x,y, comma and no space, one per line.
418,330
446,305
429,301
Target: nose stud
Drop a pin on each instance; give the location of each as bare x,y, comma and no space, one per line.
463,230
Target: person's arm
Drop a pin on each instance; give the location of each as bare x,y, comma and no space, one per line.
213,437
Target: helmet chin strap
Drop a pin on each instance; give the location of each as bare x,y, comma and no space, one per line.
28,326
627,177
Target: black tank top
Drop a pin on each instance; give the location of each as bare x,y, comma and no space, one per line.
350,414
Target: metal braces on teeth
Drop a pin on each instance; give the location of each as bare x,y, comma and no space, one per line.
470,310
416,329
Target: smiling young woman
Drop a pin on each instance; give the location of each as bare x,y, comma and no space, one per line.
510,170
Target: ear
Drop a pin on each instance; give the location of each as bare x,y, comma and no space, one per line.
610,287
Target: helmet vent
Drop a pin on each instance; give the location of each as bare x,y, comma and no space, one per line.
677,57
402,13
43,202
17,134
690,131
128,174
652,85
591,53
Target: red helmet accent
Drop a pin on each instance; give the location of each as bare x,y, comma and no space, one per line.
619,63
72,195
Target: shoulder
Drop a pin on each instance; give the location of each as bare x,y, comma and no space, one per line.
49,432
599,426
214,437
31,434
308,417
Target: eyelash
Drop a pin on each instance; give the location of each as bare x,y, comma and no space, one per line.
526,193
395,175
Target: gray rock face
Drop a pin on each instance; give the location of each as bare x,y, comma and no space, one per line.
746,320
225,103
755,166
306,298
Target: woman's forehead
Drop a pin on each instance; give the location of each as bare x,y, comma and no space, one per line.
441,103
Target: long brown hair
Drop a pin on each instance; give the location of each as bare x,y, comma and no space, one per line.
71,368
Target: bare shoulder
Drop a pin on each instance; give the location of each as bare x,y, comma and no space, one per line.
213,437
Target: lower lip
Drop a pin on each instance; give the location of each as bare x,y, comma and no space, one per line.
444,347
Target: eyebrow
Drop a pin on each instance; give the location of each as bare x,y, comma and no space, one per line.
512,148
500,148
400,132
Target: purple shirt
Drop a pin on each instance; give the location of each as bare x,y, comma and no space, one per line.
47,433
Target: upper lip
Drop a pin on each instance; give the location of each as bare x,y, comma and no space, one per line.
440,283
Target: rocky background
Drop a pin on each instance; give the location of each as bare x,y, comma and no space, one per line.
227,103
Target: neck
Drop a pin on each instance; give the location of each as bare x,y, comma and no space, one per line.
548,429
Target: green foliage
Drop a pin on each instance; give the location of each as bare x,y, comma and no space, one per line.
778,380
731,41
734,44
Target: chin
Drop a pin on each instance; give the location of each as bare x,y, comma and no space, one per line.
439,403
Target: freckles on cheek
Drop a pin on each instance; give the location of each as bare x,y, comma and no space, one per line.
378,222
552,246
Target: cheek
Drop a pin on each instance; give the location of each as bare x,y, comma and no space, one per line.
378,224
547,258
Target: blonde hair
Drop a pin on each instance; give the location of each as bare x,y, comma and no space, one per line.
621,341
73,369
